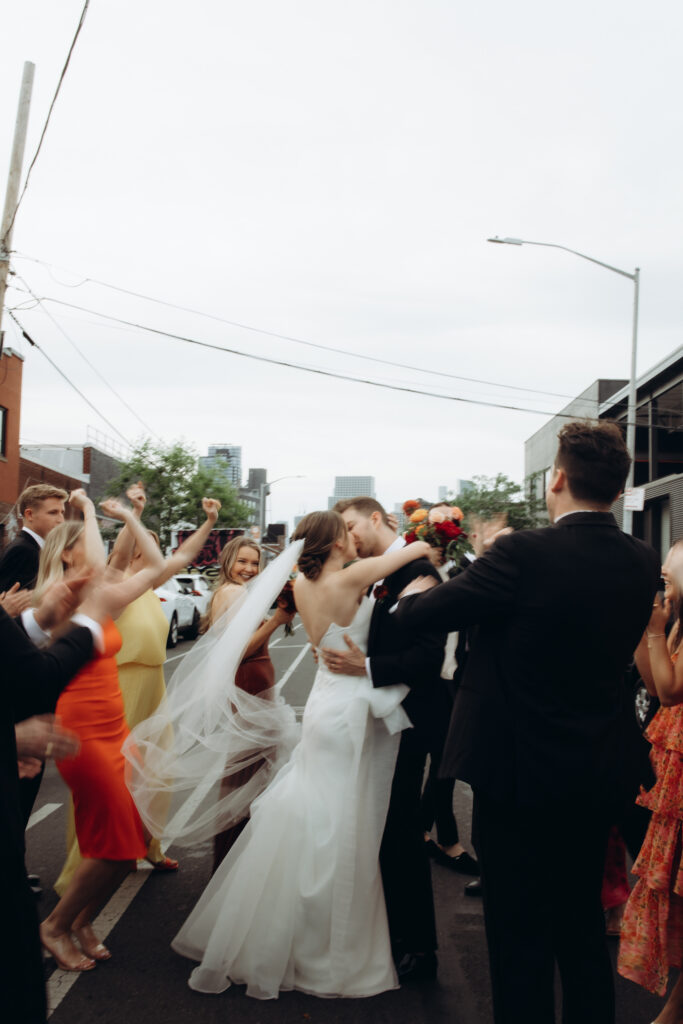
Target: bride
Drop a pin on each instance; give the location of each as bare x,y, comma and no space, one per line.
298,901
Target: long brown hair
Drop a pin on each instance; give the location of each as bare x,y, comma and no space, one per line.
319,531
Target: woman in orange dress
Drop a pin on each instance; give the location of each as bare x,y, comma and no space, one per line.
108,827
240,561
652,928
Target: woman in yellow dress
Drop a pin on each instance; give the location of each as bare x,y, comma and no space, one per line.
144,629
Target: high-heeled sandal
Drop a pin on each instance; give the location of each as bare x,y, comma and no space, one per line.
57,947
90,944
167,864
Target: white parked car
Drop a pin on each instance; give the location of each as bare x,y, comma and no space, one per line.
180,610
198,588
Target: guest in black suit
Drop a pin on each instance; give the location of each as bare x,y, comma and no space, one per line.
41,508
412,657
536,725
32,679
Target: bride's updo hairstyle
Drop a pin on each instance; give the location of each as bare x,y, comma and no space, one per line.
319,531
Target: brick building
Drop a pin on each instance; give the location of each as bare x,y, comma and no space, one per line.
11,368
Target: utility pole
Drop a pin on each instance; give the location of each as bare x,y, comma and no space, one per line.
12,193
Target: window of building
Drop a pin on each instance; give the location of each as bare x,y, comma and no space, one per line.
667,433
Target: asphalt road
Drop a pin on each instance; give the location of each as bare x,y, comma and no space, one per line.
145,982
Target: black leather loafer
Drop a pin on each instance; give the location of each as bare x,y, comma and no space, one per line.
415,967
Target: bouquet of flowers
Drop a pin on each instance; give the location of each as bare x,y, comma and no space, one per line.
438,526
285,600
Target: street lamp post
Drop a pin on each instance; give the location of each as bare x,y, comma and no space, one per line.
264,491
631,412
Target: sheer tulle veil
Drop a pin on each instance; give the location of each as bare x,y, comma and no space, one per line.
183,762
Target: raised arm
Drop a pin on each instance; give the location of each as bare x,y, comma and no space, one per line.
124,545
122,592
369,570
95,554
190,548
662,677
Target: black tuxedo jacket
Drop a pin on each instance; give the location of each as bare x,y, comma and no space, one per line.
559,612
32,680
19,562
407,655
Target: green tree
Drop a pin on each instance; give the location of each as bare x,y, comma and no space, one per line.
175,484
492,497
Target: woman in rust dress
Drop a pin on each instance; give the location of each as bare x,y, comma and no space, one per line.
108,826
240,561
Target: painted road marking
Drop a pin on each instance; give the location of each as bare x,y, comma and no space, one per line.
295,664
41,814
60,982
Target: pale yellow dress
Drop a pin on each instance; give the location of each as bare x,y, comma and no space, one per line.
144,629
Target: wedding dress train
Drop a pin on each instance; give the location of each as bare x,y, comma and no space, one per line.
298,901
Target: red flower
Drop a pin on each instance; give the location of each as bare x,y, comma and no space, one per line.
380,592
285,598
410,538
448,530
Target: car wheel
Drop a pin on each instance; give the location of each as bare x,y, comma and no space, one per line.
172,639
193,630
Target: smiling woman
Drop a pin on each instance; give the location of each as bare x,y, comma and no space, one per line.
240,562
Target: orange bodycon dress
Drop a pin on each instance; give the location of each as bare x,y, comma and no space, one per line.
108,825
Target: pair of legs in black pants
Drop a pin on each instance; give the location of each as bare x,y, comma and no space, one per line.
406,872
542,873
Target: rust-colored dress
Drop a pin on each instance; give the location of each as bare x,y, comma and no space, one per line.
254,675
108,825
652,930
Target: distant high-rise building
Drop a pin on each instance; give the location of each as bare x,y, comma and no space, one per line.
232,453
352,487
443,492
253,494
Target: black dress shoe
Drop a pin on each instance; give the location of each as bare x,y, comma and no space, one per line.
417,967
33,881
463,863
473,888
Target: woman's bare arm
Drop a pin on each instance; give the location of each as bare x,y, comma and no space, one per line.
124,545
365,571
191,547
95,554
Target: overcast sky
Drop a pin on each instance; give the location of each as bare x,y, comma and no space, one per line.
330,172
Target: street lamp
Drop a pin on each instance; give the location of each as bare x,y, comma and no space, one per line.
264,491
631,412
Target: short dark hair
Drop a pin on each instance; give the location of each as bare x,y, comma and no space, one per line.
595,460
319,531
366,506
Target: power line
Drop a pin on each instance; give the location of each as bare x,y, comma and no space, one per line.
288,337
87,361
61,373
310,369
49,115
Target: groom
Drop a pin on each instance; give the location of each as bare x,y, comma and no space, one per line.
413,657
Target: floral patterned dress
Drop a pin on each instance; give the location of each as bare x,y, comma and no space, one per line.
652,931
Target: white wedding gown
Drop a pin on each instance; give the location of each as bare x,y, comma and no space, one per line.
298,901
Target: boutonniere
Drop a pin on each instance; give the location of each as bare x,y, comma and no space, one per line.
380,592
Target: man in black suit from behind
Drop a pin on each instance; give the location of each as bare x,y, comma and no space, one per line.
41,508
32,680
536,725
412,657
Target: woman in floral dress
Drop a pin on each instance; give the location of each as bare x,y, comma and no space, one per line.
652,929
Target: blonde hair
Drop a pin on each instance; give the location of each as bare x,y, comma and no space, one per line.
32,497
51,566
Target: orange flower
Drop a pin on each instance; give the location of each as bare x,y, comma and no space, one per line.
455,512
419,515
